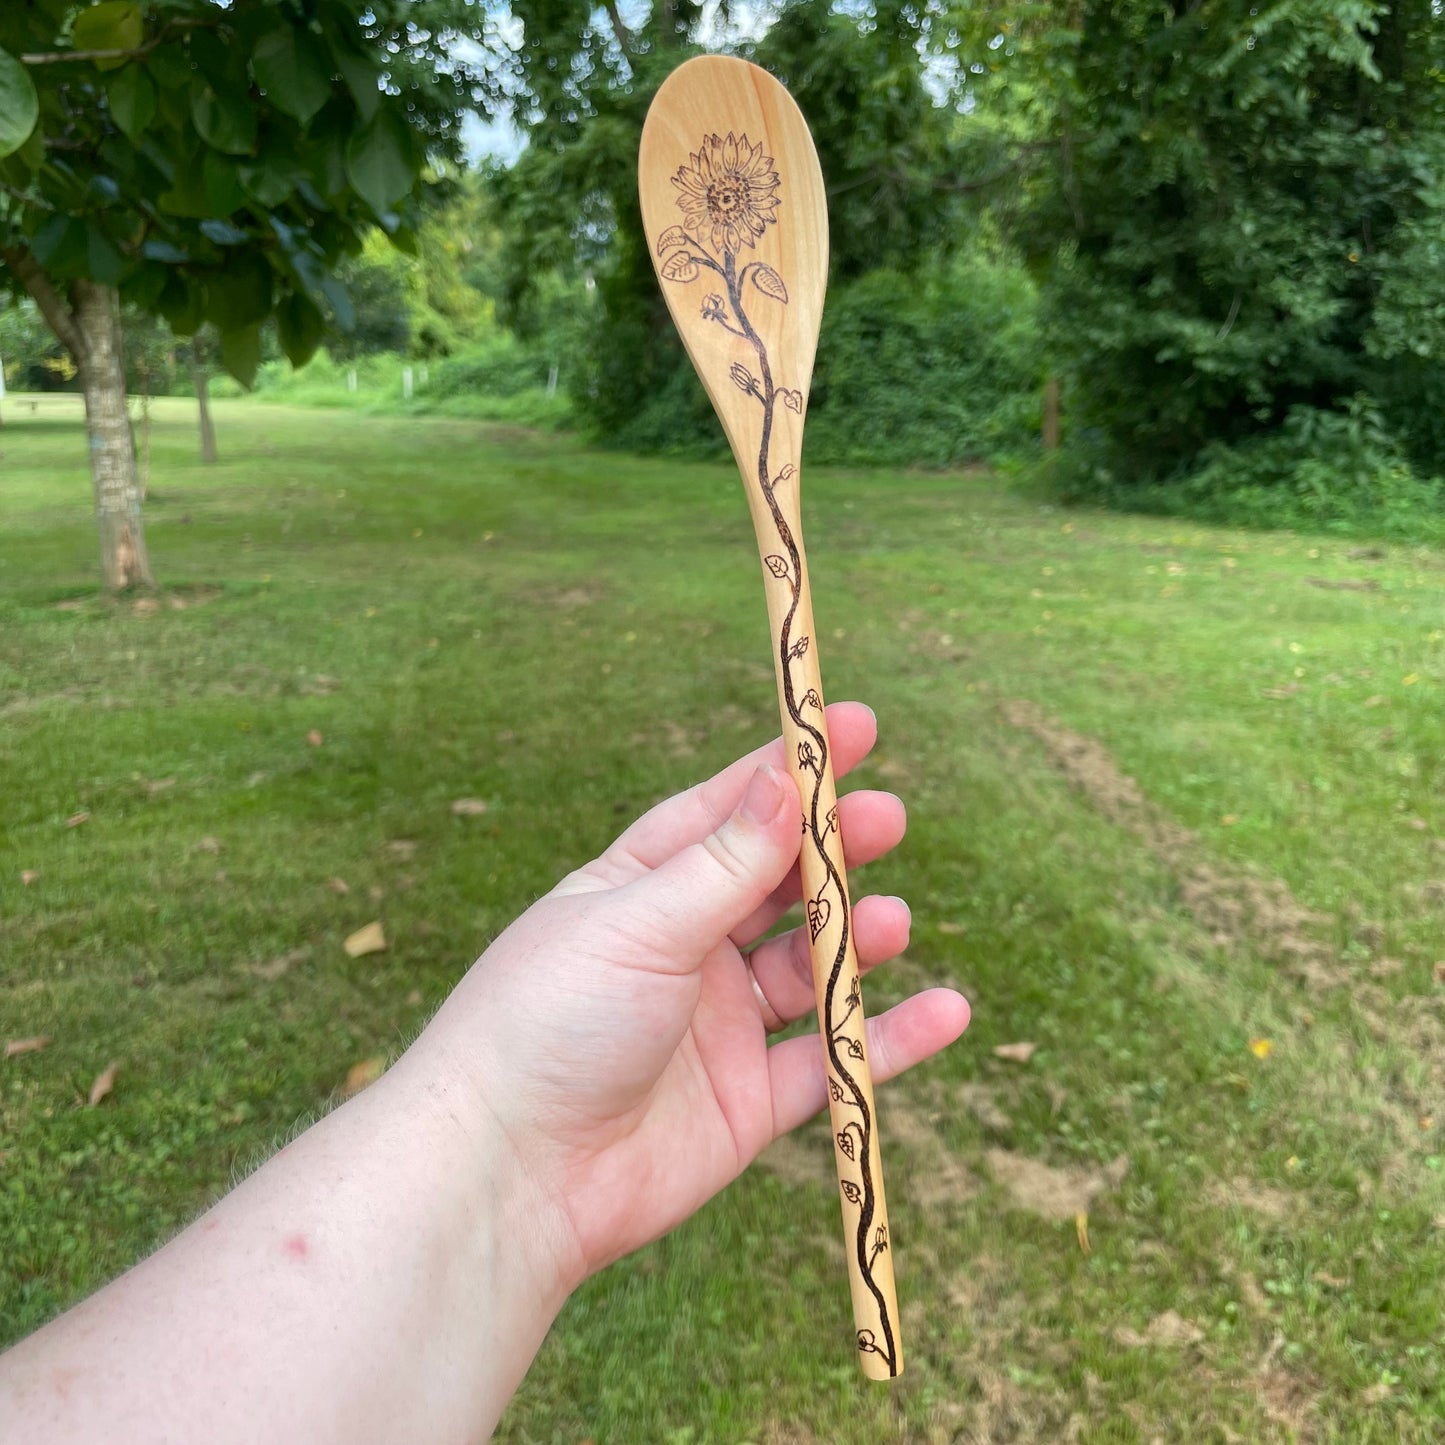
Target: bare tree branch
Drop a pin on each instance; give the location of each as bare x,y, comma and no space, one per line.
624,36
53,306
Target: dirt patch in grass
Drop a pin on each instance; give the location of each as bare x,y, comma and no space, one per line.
1057,1194
1259,1199
1236,909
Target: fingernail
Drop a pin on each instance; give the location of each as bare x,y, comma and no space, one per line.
764,796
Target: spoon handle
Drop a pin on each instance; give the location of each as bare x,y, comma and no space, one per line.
829,918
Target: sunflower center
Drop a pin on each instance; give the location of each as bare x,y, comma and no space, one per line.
726,198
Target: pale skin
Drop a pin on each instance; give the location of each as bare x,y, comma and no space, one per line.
601,1072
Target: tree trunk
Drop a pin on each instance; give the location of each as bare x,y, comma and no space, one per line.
1051,414
202,380
113,470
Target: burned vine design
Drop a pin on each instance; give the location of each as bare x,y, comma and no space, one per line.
728,195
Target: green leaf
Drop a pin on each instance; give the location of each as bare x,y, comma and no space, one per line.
222,181
380,161
19,104
241,353
240,295
362,79
223,233
188,196
270,181
156,249
224,120
300,327
103,262
340,298
132,101
182,303
291,67
111,25
60,245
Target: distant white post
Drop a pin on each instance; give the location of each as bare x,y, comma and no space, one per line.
406,383
552,382
351,378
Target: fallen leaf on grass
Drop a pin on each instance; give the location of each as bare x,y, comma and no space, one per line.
358,1076
1332,1281
1170,1328
1081,1232
469,807
1261,1048
403,848
951,928
1438,972
208,844
1019,1053
370,939
339,886
104,1083
26,1046
76,819
159,785
314,738
28,876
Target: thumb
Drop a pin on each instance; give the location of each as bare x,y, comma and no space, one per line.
685,907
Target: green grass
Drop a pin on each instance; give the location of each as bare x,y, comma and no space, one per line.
465,612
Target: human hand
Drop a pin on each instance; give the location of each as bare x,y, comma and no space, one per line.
617,1032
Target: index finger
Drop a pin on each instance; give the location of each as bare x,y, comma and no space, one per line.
680,821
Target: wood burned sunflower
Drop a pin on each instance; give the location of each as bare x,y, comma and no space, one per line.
728,194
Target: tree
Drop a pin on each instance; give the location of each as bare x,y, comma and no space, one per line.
208,162
569,205
1246,192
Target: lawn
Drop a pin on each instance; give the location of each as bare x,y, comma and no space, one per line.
1176,822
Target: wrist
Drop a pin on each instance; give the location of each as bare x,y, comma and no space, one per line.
502,1207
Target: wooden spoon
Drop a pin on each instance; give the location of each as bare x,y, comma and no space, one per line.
734,211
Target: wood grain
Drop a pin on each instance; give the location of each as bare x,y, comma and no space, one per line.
735,213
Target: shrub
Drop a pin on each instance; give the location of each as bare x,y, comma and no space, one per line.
1339,470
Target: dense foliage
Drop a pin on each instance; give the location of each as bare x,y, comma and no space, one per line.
1216,225
1242,242
215,163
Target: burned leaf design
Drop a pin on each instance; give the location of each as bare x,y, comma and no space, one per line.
819,912
679,267
778,566
769,282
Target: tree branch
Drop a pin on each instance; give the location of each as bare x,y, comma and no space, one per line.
624,36
53,306
139,52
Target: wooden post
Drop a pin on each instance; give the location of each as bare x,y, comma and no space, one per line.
1051,413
